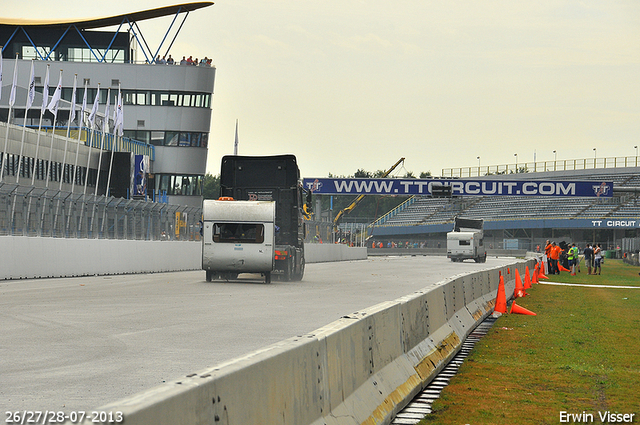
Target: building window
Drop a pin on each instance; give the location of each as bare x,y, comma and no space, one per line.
181,185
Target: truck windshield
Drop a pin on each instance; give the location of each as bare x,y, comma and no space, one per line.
238,232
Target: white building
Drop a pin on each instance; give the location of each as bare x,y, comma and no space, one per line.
167,108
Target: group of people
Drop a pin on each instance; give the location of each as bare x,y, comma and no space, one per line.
190,61
592,258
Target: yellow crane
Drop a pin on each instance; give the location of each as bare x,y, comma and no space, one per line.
359,198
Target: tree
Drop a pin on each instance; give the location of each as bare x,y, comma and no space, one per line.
211,186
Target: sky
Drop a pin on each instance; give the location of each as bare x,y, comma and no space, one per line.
358,84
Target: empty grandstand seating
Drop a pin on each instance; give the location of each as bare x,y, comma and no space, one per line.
421,210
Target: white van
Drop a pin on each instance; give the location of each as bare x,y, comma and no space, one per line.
238,237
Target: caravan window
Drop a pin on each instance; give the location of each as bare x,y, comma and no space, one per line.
238,233
463,242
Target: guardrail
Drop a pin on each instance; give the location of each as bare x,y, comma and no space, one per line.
361,369
543,166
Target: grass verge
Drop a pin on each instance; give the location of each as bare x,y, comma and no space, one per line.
579,355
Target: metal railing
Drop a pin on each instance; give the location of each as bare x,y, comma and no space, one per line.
34,211
543,166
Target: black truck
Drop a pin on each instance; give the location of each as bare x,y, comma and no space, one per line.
272,178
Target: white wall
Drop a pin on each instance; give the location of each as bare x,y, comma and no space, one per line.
32,257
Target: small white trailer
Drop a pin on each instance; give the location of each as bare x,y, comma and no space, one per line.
466,241
238,237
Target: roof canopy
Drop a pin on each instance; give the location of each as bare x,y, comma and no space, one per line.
48,35
107,21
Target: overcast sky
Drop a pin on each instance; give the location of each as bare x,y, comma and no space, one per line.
346,84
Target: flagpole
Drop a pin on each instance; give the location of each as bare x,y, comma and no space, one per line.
72,113
12,99
115,138
75,164
105,127
45,98
53,108
30,96
114,141
235,144
92,117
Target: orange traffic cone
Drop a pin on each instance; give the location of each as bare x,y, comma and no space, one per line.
501,299
516,309
541,272
527,280
534,277
562,268
519,291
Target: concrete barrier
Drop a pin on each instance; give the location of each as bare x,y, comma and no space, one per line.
322,253
33,257
361,369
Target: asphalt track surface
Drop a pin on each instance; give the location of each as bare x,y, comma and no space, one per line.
80,343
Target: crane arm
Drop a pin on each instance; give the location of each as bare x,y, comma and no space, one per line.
359,198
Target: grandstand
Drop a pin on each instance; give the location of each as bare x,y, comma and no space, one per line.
529,219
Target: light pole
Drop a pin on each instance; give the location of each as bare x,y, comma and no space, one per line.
555,156
595,153
516,155
478,158
636,149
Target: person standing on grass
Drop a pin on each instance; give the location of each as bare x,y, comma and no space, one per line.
547,253
597,259
572,255
555,256
588,256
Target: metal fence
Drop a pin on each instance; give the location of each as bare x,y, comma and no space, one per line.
543,166
33,211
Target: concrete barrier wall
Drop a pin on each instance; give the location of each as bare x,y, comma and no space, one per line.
322,253
32,257
361,369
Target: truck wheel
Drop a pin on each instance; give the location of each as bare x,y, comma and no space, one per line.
209,274
267,277
300,272
288,270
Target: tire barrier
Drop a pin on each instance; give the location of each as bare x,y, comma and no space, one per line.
360,369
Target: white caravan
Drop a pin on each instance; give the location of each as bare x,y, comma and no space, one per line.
238,237
466,241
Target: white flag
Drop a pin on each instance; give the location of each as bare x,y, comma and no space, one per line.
55,99
45,91
94,109
31,94
72,112
119,121
14,84
84,105
105,123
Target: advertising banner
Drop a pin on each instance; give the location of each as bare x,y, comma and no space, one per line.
139,175
459,187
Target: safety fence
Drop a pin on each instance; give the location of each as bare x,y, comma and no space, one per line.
34,211
543,166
